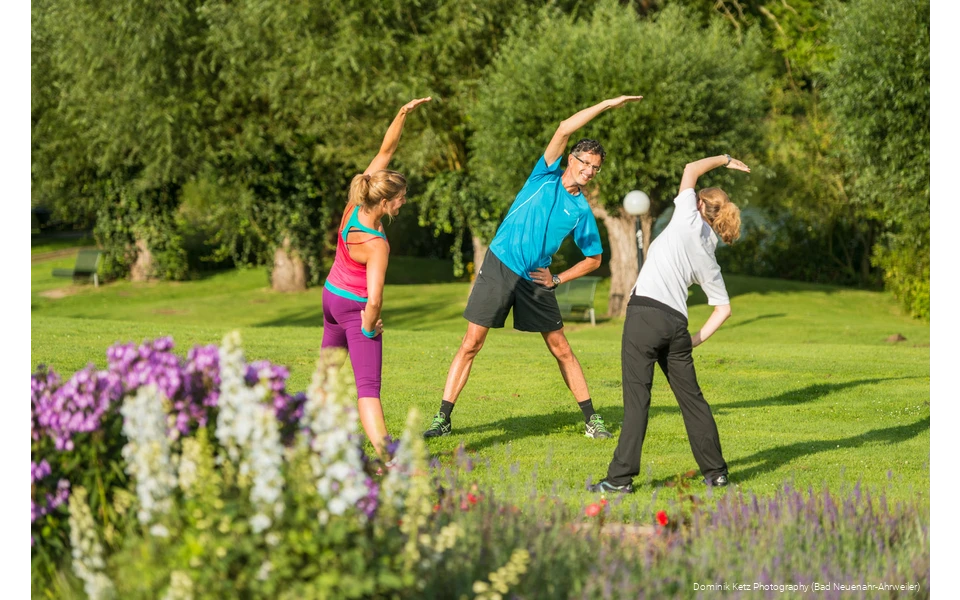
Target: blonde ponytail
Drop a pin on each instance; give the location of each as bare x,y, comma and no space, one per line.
369,190
722,214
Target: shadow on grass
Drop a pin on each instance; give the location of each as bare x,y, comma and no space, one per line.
307,317
800,396
810,393
426,314
757,318
766,461
512,428
505,431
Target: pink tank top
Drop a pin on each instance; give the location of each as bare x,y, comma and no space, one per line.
347,277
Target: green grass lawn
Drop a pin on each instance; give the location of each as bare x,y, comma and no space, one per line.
801,379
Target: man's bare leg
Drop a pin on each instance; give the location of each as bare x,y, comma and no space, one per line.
460,367
573,376
568,363
457,378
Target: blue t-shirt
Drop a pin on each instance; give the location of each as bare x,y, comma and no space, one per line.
541,216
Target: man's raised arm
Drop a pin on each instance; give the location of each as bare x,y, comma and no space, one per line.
559,142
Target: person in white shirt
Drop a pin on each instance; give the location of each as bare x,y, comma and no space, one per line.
655,329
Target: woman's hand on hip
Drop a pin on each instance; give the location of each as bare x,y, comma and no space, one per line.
377,327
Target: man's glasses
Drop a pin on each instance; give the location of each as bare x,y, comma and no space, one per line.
596,168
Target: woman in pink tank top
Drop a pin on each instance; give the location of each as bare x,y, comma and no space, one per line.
353,291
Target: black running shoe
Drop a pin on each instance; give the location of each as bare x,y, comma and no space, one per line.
718,481
441,426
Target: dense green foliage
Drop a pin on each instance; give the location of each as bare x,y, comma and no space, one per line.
229,129
702,96
878,89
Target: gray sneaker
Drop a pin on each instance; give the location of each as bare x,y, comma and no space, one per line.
441,426
596,429
605,487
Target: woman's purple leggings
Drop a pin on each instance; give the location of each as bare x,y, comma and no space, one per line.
341,329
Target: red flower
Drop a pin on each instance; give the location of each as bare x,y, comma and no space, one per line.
436,507
592,510
662,517
472,499
603,502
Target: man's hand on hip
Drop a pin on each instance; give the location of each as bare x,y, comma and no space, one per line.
542,276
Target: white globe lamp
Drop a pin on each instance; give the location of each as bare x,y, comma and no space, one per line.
637,203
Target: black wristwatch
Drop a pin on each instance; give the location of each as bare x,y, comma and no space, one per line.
729,158
556,280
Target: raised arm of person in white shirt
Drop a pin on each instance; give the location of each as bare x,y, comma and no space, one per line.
693,171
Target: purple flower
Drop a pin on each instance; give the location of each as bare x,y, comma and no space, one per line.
78,406
369,503
288,409
42,501
391,445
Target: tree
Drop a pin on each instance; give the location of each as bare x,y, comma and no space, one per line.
392,50
273,162
878,90
120,122
808,229
317,88
701,97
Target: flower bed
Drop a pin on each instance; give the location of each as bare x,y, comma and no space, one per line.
203,477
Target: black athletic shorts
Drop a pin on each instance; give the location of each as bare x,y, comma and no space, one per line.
497,289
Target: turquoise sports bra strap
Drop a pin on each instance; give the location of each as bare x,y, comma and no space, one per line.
354,222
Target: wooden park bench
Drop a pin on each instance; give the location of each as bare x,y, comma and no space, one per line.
88,260
576,298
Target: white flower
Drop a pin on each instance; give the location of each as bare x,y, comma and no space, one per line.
187,470
147,451
264,571
181,587
159,531
337,462
259,522
397,482
247,428
86,550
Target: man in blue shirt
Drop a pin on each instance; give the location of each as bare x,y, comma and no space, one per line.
516,270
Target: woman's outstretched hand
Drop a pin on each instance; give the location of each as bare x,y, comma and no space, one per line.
618,102
409,106
738,165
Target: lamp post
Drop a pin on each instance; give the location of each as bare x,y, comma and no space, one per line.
637,203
